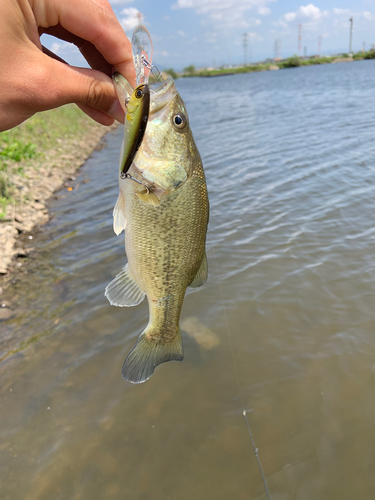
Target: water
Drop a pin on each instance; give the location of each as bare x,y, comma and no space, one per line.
290,164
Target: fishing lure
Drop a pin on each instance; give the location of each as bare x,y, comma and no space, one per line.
138,109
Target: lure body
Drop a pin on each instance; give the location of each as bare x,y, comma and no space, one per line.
138,108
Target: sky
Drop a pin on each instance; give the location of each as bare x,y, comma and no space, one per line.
209,33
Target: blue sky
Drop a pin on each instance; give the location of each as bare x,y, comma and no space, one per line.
211,32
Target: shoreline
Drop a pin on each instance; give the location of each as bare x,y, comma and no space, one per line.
33,190
291,62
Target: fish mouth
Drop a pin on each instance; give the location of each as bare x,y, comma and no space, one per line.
162,94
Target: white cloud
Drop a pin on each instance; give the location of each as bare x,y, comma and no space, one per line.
210,37
254,37
120,2
368,16
264,11
280,23
223,13
58,48
339,12
327,23
290,16
181,33
311,12
306,13
132,18
183,4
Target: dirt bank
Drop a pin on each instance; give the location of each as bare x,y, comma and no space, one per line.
41,178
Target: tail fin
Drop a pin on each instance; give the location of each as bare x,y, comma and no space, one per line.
141,361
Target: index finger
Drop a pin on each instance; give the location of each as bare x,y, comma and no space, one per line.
94,21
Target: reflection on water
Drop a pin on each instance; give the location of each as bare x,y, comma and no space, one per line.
290,163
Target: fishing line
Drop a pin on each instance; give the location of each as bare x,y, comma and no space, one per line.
244,413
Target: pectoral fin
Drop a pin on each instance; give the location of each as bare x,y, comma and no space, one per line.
123,291
149,197
201,276
119,216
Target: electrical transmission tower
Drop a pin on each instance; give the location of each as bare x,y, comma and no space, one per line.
351,35
277,49
245,48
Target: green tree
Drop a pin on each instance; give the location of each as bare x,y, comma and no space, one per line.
189,70
171,72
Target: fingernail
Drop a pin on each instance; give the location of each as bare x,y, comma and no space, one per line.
117,112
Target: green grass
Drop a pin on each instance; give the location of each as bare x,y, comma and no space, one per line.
292,62
6,191
32,139
15,150
43,129
229,71
171,72
370,54
317,60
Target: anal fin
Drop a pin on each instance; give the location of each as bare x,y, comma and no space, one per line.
123,291
202,274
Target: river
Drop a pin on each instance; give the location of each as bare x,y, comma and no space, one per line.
284,328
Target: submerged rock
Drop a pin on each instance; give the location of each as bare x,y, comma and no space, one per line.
205,337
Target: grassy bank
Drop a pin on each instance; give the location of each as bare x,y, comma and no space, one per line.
27,146
36,159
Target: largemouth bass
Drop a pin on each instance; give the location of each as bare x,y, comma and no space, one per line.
163,208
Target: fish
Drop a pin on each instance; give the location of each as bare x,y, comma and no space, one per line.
163,208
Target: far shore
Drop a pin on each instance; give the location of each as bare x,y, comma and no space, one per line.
291,62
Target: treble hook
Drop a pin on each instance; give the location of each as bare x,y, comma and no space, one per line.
153,70
128,176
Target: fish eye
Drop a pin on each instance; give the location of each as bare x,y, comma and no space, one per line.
179,120
139,94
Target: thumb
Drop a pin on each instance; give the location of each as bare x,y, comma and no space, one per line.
92,90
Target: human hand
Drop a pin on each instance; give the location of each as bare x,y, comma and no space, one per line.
32,81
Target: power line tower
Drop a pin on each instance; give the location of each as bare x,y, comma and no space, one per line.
245,48
277,49
351,35
299,39
320,45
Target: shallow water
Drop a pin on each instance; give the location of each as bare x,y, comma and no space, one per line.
284,328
